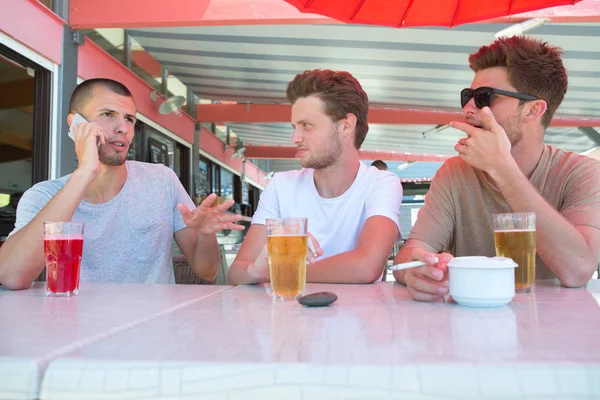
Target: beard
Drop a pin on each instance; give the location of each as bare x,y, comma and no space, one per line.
112,160
513,128
331,154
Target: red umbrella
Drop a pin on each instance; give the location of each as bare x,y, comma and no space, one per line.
401,13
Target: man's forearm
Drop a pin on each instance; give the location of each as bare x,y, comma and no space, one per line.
207,256
240,274
356,266
404,255
22,256
347,267
562,248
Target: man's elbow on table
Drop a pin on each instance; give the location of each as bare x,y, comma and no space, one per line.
369,270
233,275
577,278
13,275
14,281
371,278
208,274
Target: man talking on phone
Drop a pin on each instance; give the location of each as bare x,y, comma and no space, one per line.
131,210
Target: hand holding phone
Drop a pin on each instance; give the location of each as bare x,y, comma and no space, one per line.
87,158
77,119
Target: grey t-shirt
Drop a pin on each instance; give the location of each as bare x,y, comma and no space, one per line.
129,238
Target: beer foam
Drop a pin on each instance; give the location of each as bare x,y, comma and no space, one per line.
288,235
64,236
514,230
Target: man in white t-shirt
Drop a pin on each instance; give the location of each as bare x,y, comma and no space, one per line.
352,209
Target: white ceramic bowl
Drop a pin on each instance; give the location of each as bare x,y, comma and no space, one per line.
482,281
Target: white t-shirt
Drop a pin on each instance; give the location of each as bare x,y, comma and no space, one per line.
336,223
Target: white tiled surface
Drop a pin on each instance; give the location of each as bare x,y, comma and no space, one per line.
373,343
171,380
35,329
19,379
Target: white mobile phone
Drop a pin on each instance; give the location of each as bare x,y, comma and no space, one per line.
77,119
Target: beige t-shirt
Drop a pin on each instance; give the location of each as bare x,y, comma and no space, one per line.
457,214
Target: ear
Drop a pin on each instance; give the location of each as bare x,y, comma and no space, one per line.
70,118
349,124
536,109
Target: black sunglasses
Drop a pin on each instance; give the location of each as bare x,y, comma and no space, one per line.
484,95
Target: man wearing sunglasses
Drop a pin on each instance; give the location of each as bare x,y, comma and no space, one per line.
504,166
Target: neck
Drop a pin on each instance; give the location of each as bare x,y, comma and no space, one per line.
334,180
108,184
527,156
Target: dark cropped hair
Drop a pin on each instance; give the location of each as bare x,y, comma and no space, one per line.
84,92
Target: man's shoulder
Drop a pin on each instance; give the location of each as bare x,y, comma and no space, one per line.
373,176
454,167
564,159
144,168
148,173
51,186
572,170
42,192
293,177
456,162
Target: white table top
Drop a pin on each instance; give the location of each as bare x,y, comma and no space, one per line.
35,329
373,342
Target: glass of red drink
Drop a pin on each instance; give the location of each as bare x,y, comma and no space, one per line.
63,246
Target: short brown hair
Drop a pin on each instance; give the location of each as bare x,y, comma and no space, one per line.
341,93
533,66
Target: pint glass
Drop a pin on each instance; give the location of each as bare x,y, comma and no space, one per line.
514,236
287,240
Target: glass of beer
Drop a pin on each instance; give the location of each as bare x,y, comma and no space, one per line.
514,236
287,242
63,247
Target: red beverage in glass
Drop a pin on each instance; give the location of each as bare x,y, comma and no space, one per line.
63,248
63,260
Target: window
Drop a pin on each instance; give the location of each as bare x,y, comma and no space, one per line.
134,147
4,199
160,149
245,198
226,184
203,184
182,164
25,93
16,126
178,161
149,145
216,179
